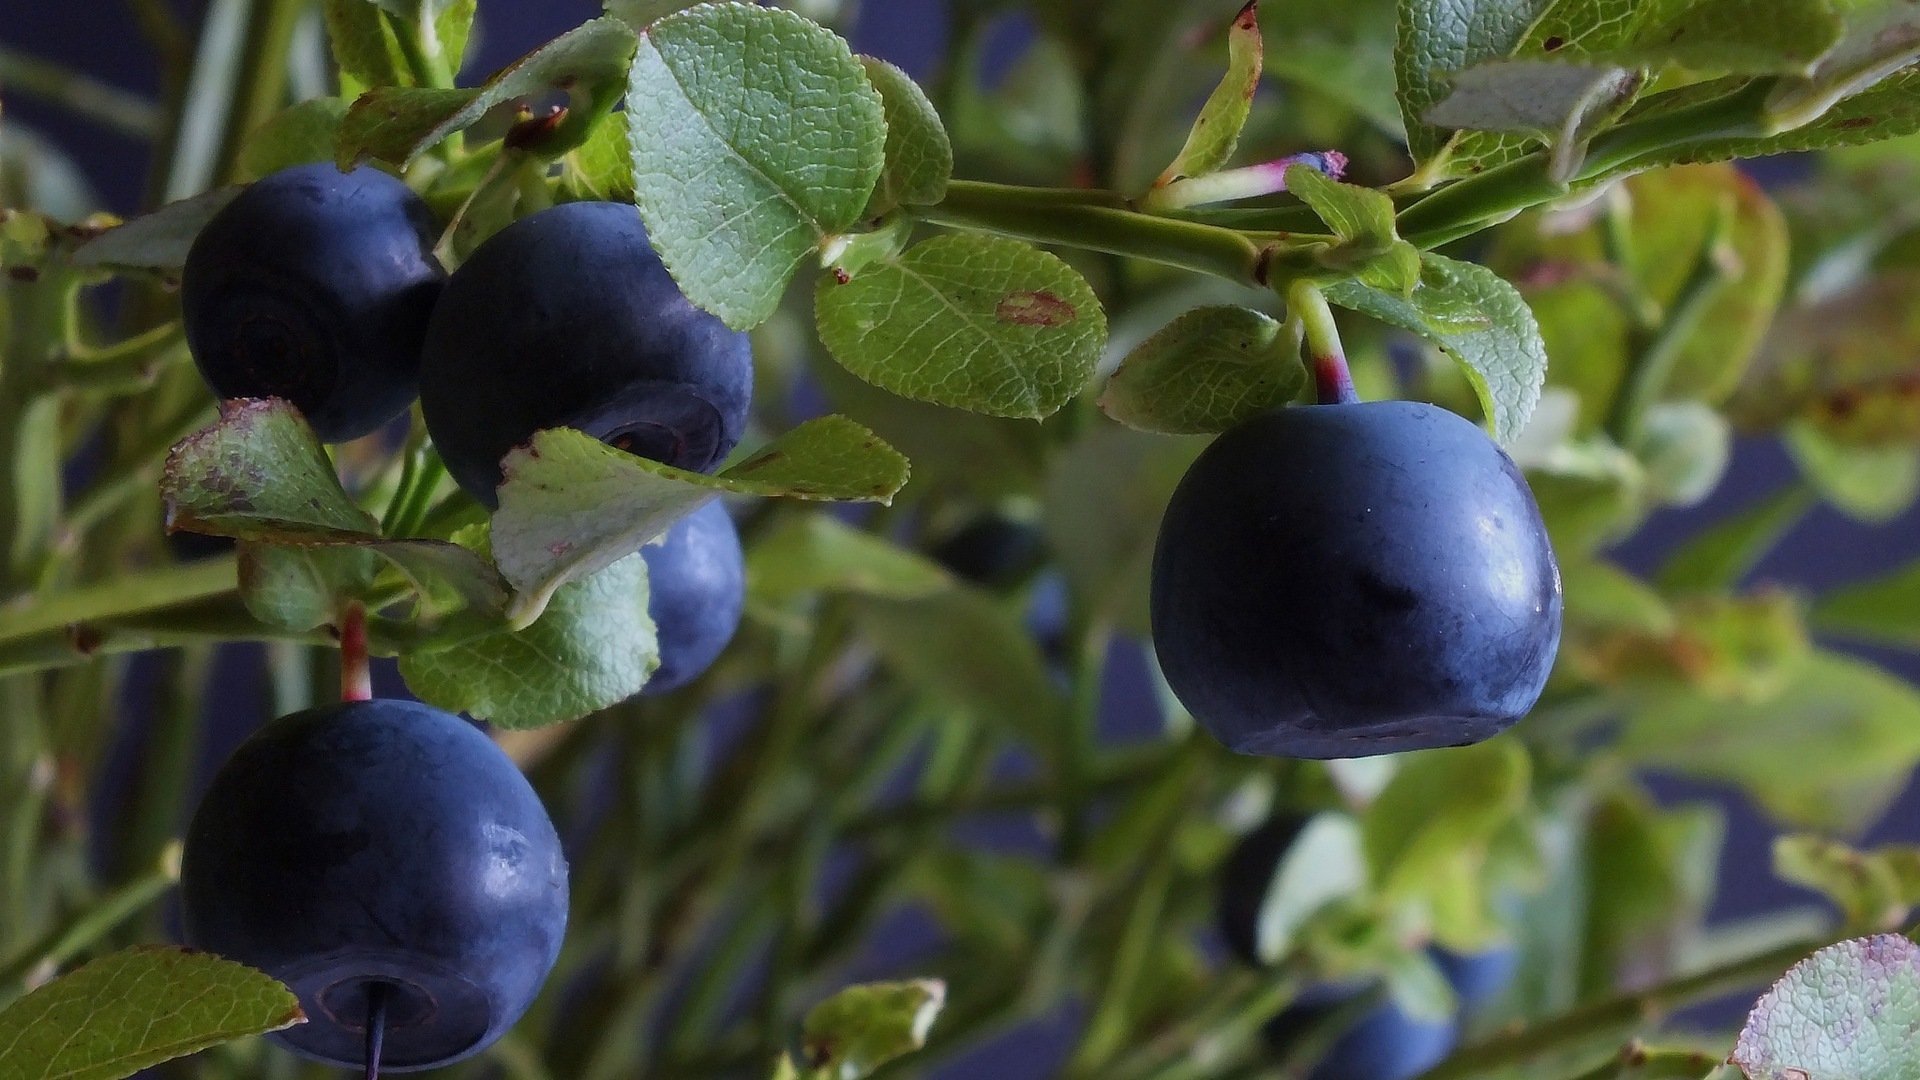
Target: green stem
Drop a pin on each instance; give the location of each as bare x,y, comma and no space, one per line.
39,962
180,605
1052,217
129,114
261,83
1622,1015
1331,378
126,595
1113,1015
1650,365
160,797
1636,1062
133,470
1467,206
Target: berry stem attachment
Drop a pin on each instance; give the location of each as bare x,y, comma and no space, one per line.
1331,376
356,680
1247,182
376,1027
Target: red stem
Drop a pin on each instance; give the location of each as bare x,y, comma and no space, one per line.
356,680
1333,381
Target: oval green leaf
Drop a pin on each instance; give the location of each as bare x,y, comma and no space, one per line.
1204,372
980,323
135,1009
756,137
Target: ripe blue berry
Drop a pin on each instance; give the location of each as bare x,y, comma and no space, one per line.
1354,579
380,847
1385,1043
315,286
1478,979
567,318
992,550
696,586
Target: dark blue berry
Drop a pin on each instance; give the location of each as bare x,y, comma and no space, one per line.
315,286
697,586
567,318
1385,1043
992,550
1478,979
1245,879
380,844
1354,579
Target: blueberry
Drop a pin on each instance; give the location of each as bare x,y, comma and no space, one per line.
1354,579
991,550
567,318
697,585
1244,880
315,286
1478,979
1385,1043
380,846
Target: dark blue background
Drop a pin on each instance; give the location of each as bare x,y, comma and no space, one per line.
97,36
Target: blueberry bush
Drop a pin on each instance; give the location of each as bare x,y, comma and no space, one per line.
1119,532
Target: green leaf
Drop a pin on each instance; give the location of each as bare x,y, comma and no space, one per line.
1828,751
1575,285
1428,835
259,474
452,31
1477,318
1122,480
572,505
1216,131
364,48
861,1028
1651,875
1555,102
1842,363
1871,483
1324,863
1887,110
1881,37
1591,493
302,588
1363,219
806,554
919,159
1865,886
1602,596
962,647
155,241
299,135
1884,610
1754,37
1204,372
989,457
640,14
602,167
1720,557
757,137
1746,36
593,646
1794,1030
1685,447
130,1010
398,124
1437,39
976,322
